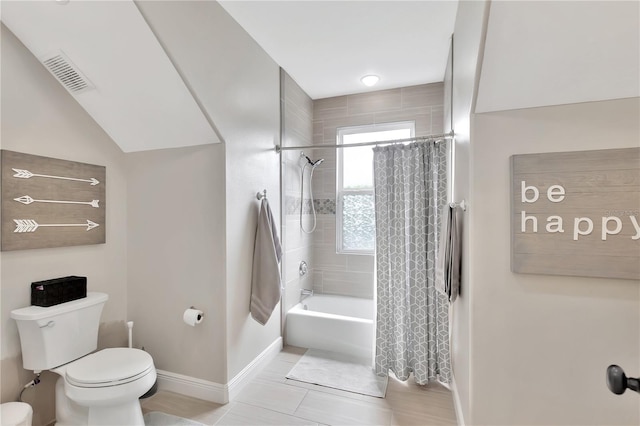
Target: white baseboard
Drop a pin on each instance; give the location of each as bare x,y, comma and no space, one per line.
191,386
248,373
456,402
216,392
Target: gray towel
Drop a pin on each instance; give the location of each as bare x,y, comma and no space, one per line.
448,266
265,280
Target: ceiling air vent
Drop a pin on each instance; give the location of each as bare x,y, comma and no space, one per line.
67,73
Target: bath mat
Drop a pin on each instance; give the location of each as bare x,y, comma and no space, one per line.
156,418
339,371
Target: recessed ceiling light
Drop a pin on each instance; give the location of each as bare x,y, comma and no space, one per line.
370,80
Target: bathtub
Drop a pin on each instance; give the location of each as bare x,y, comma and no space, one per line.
333,323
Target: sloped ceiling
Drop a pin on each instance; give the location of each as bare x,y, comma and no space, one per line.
327,46
541,53
139,98
536,54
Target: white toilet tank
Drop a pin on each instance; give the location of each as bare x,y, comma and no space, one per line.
59,334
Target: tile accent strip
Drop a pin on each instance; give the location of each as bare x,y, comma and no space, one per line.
322,206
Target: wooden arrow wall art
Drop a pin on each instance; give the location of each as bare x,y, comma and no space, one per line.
48,202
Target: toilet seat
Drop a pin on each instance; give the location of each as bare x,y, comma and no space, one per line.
109,367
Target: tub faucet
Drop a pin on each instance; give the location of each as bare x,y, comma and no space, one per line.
304,293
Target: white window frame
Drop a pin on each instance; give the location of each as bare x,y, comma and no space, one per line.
340,191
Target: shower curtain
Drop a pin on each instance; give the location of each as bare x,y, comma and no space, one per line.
412,326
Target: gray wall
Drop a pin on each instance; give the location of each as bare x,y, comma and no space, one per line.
467,42
39,117
238,85
531,349
180,223
176,257
542,340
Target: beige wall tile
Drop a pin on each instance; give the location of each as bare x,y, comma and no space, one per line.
330,125
317,126
293,94
366,103
437,120
318,138
320,105
298,127
360,263
357,284
317,281
421,95
323,221
296,239
326,258
409,114
331,113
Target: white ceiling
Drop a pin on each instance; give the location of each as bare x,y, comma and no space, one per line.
327,46
559,52
139,99
536,54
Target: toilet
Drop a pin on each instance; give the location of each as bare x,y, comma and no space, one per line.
94,388
15,414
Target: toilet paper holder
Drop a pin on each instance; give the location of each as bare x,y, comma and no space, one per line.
193,316
200,315
193,307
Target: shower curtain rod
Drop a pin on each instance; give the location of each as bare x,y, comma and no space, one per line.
414,139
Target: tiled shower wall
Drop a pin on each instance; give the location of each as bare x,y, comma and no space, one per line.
297,118
353,275
306,122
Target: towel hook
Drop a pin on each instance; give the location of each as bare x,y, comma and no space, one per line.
261,195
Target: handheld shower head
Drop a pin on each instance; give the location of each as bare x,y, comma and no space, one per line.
311,163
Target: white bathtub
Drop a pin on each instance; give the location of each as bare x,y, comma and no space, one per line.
333,323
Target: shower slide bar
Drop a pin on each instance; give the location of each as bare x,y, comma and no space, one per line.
429,138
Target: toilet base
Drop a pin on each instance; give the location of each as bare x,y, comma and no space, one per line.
69,413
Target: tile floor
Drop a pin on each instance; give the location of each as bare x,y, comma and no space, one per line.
271,399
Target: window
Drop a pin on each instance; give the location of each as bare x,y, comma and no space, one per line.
355,215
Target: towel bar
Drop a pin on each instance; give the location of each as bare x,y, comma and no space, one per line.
462,204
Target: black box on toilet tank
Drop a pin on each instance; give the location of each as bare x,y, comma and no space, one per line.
58,290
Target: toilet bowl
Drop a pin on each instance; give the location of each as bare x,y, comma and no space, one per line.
107,377
15,414
99,382
94,388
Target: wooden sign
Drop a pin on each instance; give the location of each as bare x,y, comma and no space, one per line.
576,213
48,202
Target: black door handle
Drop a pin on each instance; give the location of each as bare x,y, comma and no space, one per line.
618,382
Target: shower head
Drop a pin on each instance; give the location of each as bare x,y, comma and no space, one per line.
311,163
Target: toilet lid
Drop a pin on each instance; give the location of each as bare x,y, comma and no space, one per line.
109,367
